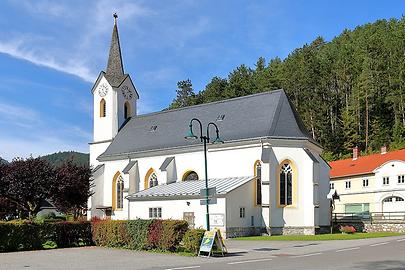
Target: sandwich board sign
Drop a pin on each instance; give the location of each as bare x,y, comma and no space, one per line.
212,242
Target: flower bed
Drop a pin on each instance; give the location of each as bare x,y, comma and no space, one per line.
347,229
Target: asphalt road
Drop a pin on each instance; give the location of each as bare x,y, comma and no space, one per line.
379,253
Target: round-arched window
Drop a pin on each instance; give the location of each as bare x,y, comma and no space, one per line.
393,199
190,176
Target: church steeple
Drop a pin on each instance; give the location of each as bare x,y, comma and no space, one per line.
114,66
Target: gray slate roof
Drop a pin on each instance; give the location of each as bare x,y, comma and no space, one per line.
190,188
263,115
114,65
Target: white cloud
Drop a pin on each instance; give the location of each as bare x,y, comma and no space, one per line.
22,49
80,49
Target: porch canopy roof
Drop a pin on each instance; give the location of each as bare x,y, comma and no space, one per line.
189,188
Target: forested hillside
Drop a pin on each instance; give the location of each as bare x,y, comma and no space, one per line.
59,158
349,91
3,161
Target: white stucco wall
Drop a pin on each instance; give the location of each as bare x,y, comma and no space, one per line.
174,209
244,196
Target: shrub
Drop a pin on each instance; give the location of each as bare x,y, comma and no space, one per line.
192,240
155,234
347,229
138,233
110,233
26,235
172,234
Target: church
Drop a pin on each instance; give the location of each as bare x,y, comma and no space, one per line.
264,170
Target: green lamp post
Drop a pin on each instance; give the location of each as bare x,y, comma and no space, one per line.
204,139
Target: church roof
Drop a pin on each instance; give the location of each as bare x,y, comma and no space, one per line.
263,115
190,188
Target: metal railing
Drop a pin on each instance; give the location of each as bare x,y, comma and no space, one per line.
368,217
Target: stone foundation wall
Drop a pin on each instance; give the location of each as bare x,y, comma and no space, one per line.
385,227
232,232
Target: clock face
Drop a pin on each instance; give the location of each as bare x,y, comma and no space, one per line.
103,90
126,92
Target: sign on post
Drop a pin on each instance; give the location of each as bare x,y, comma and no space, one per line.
212,242
209,201
211,192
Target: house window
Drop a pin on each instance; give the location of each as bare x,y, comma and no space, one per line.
348,184
357,208
120,193
242,212
190,176
286,185
386,180
252,221
153,180
365,182
401,179
332,185
155,212
258,175
103,108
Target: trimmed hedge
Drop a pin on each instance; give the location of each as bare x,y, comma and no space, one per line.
164,235
192,240
138,231
26,235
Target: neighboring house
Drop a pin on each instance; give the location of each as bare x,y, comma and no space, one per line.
372,183
268,174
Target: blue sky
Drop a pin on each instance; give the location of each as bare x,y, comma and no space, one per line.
52,51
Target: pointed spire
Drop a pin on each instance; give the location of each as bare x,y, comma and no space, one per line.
114,66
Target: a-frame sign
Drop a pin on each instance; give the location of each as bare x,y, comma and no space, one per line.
211,243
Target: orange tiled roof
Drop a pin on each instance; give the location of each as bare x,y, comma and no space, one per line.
363,164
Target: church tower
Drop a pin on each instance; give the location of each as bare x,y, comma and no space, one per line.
114,95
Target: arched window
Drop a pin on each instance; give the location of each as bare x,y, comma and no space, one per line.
151,179
118,192
103,108
127,110
258,186
190,176
286,184
393,199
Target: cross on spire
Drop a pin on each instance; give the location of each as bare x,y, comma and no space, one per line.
115,17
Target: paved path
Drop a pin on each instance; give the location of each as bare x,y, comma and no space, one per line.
378,253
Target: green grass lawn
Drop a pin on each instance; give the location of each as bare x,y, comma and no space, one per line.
320,237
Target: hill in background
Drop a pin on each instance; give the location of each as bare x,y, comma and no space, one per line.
59,158
3,161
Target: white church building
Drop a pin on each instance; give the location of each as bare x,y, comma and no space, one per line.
268,173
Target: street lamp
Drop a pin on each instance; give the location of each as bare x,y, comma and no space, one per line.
204,139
